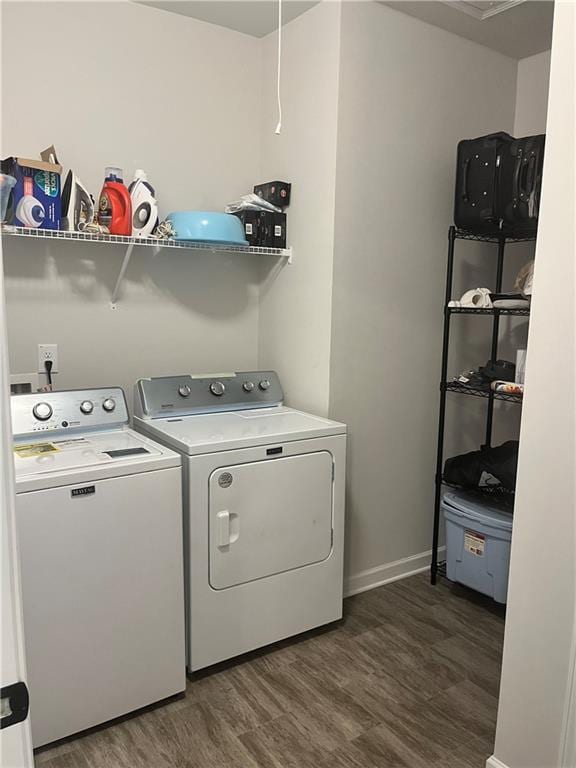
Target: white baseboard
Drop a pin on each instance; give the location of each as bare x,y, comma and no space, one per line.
493,762
388,572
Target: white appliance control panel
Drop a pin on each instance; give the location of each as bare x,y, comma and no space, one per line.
188,395
80,409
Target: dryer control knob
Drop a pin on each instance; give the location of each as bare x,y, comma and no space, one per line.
184,390
109,404
87,406
248,386
42,411
264,385
217,388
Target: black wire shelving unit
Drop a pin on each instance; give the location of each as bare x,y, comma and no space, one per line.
437,567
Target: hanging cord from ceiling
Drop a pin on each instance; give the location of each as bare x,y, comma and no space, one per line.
279,126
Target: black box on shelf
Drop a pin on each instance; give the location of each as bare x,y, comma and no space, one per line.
251,223
264,228
275,192
272,230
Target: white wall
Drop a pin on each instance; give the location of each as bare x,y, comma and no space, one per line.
374,104
295,302
542,594
136,87
532,94
408,93
529,119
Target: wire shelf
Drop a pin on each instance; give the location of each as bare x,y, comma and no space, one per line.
151,242
441,569
464,389
55,234
495,495
512,237
525,312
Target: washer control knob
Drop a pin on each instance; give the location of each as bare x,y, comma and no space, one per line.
184,390
217,388
87,406
42,411
109,404
248,386
264,385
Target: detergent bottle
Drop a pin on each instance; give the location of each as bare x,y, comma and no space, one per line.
115,206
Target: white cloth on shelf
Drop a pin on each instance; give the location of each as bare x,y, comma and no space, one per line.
476,298
251,202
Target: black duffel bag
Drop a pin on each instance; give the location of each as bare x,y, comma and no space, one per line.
484,469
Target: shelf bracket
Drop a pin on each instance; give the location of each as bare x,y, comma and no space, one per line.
123,268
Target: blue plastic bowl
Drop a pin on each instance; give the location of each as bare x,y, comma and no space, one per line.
208,227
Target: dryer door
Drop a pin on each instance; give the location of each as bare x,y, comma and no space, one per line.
269,516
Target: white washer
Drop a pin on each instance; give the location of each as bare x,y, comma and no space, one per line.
99,521
263,508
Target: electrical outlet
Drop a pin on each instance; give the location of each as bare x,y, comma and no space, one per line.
47,352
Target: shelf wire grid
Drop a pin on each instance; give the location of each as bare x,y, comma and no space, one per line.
512,237
522,312
496,495
464,389
87,237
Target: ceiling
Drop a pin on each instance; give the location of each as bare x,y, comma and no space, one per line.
517,29
253,17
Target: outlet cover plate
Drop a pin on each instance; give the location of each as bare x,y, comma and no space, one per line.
47,352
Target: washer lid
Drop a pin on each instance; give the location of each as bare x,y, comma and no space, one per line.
208,433
64,460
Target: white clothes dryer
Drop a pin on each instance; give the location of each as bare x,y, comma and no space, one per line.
263,494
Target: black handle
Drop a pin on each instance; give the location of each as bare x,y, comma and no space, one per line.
516,178
530,175
15,703
464,191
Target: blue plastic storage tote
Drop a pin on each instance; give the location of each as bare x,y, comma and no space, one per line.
478,537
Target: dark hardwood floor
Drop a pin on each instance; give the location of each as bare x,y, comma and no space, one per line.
409,679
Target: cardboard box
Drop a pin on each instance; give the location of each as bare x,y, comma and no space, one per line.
36,198
275,192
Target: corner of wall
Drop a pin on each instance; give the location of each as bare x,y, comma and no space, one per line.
516,117
259,172
531,104
296,301
339,4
